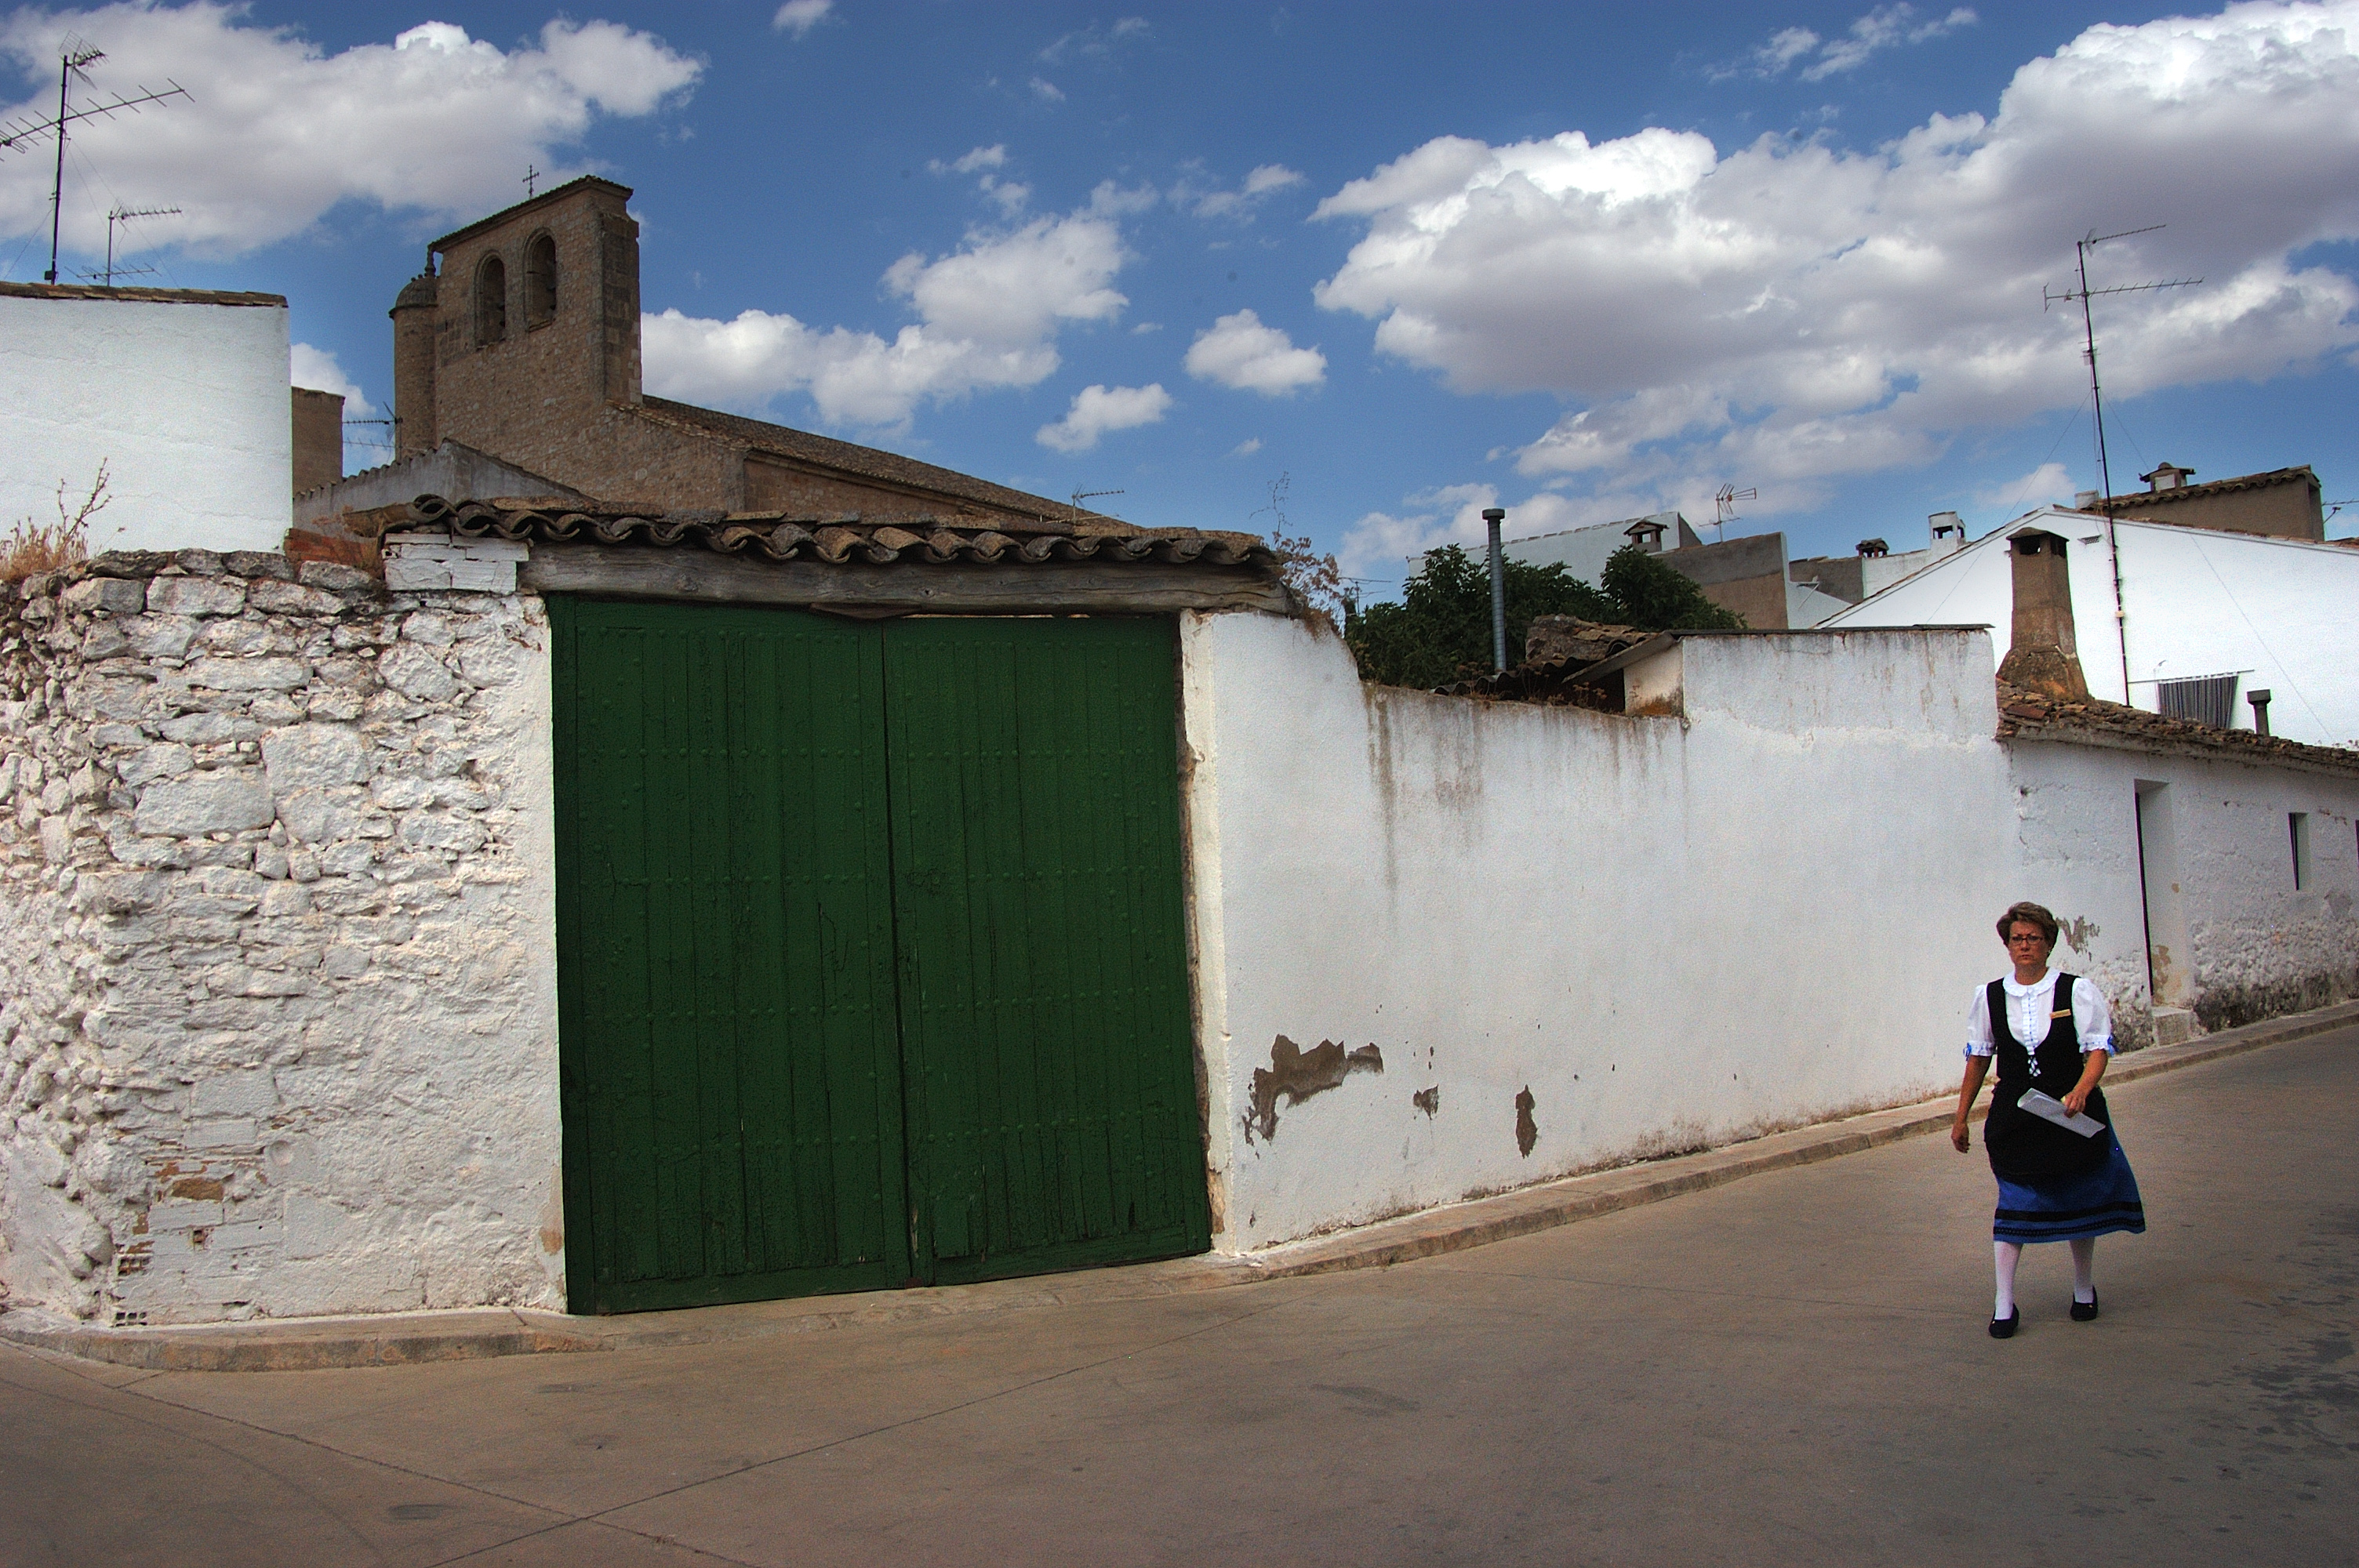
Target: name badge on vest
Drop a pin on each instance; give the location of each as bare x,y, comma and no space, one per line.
2061,1012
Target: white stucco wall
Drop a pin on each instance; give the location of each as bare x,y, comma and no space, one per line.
277,978
2234,939
2195,603
185,402
1670,931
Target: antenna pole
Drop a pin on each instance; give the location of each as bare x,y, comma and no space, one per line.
58,188
2096,394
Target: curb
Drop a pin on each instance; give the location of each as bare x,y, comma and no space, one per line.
294,1345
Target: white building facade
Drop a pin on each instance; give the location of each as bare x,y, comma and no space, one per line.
2157,603
180,395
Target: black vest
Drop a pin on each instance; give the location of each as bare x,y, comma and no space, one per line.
2023,1147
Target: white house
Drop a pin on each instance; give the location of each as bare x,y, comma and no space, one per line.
2171,618
181,394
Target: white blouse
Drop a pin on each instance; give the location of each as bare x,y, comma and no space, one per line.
2027,1008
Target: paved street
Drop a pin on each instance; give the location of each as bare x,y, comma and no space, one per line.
1791,1368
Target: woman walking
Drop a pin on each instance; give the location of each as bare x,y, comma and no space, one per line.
2051,1034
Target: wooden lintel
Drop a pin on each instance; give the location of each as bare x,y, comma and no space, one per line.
901,587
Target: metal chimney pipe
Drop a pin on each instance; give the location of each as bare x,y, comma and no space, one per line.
1494,515
2259,698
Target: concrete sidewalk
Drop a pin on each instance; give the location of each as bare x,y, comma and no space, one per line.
312,1343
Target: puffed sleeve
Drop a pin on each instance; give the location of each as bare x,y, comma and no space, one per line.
2093,1021
1978,1024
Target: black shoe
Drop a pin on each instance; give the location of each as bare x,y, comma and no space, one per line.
2005,1327
2085,1312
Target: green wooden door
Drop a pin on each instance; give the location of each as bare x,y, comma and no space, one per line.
1044,1004
729,1051
871,962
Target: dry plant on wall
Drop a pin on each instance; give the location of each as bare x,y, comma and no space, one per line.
32,547
1315,579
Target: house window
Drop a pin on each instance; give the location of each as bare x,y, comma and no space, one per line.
539,281
2206,699
491,301
2297,829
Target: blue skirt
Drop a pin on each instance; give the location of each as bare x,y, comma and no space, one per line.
2071,1208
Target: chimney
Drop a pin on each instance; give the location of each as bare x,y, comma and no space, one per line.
319,438
1647,534
413,316
1949,532
2169,476
2042,655
2259,698
2086,500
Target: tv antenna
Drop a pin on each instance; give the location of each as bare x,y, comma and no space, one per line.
117,215
1723,505
19,134
1081,496
2083,295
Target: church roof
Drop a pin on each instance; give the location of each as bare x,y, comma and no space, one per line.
872,464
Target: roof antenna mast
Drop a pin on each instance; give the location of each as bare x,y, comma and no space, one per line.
2089,336
2097,402
71,58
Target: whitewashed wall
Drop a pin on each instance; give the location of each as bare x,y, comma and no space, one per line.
186,404
1669,931
277,959
2236,940
2197,602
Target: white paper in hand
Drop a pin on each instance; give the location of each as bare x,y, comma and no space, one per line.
2051,1109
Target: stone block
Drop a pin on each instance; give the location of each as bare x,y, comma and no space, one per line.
163,636
165,760
117,892
199,563
102,641
288,898
250,1092
291,599
314,816
196,596
207,729
181,1214
223,801
249,675
441,830
334,577
266,564
415,673
236,1134
314,756
111,595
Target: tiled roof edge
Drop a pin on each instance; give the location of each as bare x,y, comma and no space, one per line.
848,542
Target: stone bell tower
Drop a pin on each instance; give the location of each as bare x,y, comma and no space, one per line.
526,332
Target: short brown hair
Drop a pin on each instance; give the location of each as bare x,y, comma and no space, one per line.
2029,913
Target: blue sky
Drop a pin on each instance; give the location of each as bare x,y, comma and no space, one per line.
1580,262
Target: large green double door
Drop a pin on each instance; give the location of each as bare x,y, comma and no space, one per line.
871,964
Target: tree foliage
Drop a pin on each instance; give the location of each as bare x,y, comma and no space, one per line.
1441,632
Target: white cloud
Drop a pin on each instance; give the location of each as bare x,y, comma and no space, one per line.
2050,482
1098,409
988,315
1887,27
1246,447
800,16
1047,91
1238,351
276,131
1800,312
318,369
1212,201
980,158
1381,543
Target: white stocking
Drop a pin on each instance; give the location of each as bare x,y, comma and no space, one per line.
2084,1270
2005,1256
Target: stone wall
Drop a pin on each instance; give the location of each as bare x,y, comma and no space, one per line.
277,1016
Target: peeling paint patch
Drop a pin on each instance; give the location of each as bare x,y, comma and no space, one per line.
1297,1074
1427,1100
1527,1131
2079,932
